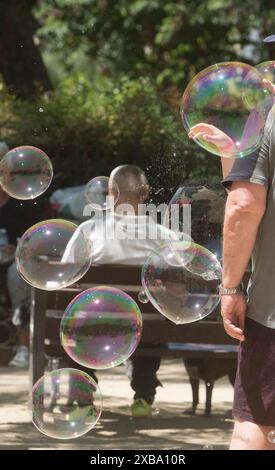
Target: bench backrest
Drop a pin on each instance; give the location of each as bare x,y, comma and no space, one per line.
156,328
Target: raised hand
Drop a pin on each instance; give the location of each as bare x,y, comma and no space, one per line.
215,136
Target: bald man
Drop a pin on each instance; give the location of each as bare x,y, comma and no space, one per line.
123,236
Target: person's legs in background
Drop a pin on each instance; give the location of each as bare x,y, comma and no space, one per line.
144,381
20,296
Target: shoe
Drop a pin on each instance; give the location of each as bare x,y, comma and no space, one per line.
141,409
21,358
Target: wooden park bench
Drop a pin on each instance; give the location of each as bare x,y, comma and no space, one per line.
204,339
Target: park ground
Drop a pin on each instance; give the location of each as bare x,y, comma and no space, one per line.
169,427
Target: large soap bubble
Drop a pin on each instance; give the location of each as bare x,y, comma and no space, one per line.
225,106
53,254
65,404
101,327
25,172
183,293
204,205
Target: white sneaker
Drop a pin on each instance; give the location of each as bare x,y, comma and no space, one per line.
21,358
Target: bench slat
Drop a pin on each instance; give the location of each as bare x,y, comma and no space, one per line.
48,307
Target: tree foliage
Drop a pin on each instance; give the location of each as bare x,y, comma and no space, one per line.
87,131
169,40
118,68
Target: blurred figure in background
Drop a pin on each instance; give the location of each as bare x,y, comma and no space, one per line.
15,218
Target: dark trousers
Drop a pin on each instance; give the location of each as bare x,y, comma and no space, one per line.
144,379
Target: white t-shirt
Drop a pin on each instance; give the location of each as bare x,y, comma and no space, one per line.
120,239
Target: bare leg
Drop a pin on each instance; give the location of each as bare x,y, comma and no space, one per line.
250,436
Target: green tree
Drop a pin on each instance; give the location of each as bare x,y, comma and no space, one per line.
21,65
169,40
88,130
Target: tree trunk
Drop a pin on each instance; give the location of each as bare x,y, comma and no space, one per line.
21,64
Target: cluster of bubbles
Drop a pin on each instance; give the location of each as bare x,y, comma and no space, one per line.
224,109
101,327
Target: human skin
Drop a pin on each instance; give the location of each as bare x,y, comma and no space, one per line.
245,207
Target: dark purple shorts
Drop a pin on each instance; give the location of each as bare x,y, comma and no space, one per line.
254,397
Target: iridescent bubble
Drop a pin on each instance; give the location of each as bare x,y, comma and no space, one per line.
203,205
100,194
182,293
66,403
101,327
271,436
25,172
226,106
142,297
53,254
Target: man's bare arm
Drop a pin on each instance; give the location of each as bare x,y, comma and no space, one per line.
244,210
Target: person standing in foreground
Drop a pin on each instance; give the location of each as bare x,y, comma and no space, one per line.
249,231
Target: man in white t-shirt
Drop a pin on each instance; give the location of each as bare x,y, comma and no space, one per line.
127,236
